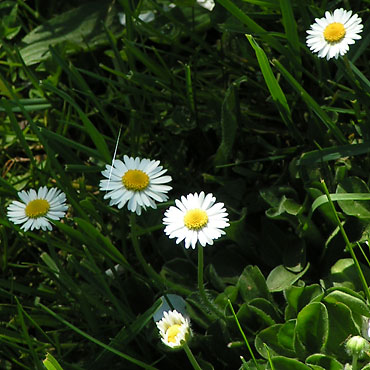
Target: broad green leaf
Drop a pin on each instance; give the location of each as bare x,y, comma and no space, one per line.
312,326
352,185
281,278
252,284
341,326
283,363
286,334
324,361
253,317
78,29
269,337
299,296
344,272
356,305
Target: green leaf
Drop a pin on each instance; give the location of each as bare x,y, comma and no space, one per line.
280,278
51,363
323,199
299,296
283,363
252,284
354,208
324,361
345,272
79,29
269,337
356,305
312,326
341,326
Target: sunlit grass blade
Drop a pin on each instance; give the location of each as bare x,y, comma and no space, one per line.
51,363
322,199
274,87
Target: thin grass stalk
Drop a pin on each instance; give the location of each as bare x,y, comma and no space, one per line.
347,242
96,341
243,335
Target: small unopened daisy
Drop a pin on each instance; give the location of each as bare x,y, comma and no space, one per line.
174,329
140,182
331,36
37,209
196,218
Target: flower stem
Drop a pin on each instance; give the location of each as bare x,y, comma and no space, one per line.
354,361
191,357
201,289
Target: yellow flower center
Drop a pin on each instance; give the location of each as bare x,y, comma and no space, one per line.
135,180
334,32
37,208
195,219
172,332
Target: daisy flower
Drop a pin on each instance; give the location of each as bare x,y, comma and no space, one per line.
136,181
196,218
331,36
174,329
38,208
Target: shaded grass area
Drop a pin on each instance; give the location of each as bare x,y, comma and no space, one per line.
231,102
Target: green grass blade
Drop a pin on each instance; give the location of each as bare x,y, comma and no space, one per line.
252,25
322,199
230,116
290,27
51,363
274,87
96,341
311,103
331,154
94,134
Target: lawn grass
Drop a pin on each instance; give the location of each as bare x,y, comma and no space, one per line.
231,102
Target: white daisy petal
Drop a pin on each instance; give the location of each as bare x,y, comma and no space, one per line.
174,329
195,218
137,182
331,36
38,208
